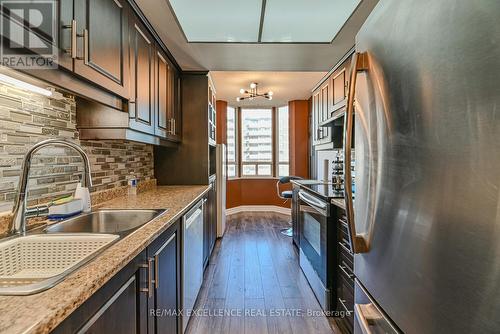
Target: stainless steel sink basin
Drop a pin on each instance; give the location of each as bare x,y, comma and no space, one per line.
42,258
105,221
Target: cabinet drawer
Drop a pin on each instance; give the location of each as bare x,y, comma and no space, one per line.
345,257
344,228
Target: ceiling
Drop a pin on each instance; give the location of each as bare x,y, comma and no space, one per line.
270,21
286,86
305,57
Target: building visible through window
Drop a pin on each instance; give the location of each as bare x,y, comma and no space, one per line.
256,142
264,146
231,142
283,142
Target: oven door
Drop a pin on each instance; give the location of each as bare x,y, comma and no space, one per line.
314,215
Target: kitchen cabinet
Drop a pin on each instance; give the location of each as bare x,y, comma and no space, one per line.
102,43
65,34
144,297
211,112
345,275
167,99
142,81
322,135
153,113
210,222
328,104
164,259
120,306
194,98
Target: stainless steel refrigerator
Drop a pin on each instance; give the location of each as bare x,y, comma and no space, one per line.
425,220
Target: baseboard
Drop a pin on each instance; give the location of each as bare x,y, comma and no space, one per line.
258,208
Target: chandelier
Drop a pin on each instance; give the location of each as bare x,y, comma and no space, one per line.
253,93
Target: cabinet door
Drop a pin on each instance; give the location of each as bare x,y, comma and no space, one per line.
325,114
206,231
66,35
176,106
316,117
103,44
163,94
120,306
164,254
213,215
141,103
117,315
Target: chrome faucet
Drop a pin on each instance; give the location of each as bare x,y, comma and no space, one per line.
20,211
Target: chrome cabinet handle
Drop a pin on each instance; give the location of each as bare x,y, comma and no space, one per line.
319,133
342,303
173,126
344,270
149,289
359,63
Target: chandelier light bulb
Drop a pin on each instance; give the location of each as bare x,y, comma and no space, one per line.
270,93
238,99
242,91
253,85
270,97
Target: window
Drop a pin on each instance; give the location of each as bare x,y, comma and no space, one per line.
231,142
256,142
283,142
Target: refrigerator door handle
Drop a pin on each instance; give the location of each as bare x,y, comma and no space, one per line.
359,63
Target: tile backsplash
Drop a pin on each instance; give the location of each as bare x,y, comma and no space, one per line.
27,118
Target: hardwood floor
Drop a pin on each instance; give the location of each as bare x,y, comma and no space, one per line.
253,283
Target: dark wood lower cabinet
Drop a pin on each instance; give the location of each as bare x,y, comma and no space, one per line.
164,300
345,275
118,307
144,297
210,222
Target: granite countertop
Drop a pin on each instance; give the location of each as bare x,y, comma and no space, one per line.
42,312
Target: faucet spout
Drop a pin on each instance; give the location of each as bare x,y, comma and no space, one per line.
19,212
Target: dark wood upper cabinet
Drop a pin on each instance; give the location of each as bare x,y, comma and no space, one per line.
176,105
102,43
65,12
167,98
163,95
142,79
339,91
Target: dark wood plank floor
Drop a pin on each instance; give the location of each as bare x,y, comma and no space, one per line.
253,283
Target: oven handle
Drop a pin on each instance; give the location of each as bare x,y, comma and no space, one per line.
314,202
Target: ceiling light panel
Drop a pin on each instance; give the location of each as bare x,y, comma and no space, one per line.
299,21
218,20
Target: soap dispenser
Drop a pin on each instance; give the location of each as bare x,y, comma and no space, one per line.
83,193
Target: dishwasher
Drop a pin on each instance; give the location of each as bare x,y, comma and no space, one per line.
192,250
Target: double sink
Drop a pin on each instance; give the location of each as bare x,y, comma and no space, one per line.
43,257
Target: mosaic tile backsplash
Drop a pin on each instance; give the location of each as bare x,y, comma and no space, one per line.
27,118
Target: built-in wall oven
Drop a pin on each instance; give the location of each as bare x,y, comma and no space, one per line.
317,246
